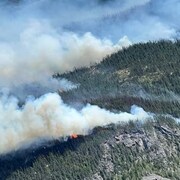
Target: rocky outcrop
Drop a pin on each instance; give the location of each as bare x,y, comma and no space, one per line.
95,176
106,161
154,177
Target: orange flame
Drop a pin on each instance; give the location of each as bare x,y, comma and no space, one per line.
74,136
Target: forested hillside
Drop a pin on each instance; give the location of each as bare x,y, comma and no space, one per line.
144,74
117,152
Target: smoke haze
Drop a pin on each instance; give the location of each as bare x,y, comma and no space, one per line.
46,36
39,38
49,118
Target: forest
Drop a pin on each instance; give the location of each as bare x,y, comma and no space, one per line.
145,74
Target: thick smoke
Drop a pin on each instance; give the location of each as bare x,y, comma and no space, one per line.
40,52
39,38
49,118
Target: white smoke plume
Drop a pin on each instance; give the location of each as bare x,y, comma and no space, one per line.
41,37
49,118
47,36
40,52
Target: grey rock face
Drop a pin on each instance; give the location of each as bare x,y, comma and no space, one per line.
154,177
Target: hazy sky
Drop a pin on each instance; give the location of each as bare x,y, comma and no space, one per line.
41,37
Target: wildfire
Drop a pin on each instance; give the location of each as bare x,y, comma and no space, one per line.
74,136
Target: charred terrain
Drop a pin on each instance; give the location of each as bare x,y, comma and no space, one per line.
146,75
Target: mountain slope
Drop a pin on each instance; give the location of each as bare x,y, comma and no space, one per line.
117,152
148,73
143,74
